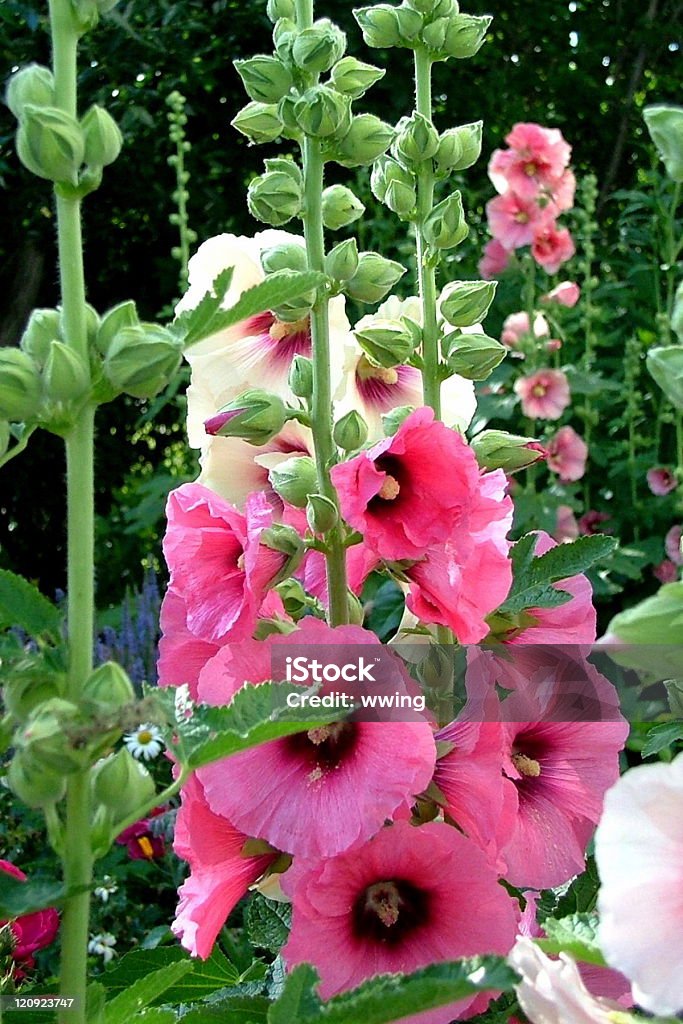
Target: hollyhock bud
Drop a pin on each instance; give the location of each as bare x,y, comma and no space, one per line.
277,9
20,386
260,122
33,85
351,431
293,597
388,343
114,320
23,694
287,256
285,540
122,784
322,112
294,479
392,420
66,376
340,207
661,481
458,149
50,143
44,738
386,173
42,329
265,79
445,226
301,377
384,26
321,513
466,34
353,77
367,138
317,48
34,786
496,449
141,360
473,356
255,415
109,687
465,303
434,35
102,135
665,125
375,276
341,262
566,293
274,198
416,140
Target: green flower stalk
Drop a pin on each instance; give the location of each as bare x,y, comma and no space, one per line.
177,119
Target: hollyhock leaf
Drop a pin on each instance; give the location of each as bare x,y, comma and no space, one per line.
18,897
157,1015
144,991
532,585
208,976
268,923
191,324
22,604
666,366
661,737
575,935
298,1001
237,1009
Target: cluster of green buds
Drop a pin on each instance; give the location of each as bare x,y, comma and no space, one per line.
466,350
177,120
437,25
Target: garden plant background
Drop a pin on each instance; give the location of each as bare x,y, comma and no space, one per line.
574,207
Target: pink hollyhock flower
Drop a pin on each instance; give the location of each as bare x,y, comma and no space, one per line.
566,526
494,260
661,481
516,328
592,522
535,162
141,842
221,870
544,395
672,544
551,247
408,898
567,454
316,794
462,581
217,562
666,571
639,853
515,221
409,491
566,293
30,932
182,655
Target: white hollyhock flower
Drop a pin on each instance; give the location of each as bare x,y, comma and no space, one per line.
552,992
639,852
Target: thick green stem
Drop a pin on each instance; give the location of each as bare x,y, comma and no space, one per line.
431,382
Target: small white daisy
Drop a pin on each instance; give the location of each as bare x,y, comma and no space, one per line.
106,889
145,742
103,945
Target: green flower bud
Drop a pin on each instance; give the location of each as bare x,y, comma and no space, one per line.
45,739
393,419
351,431
23,693
103,138
66,376
388,343
20,386
301,377
33,85
465,303
473,356
465,35
356,610
665,125
299,310
282,165
341,262
317,48
142,359
496,449
287,256
394,186
109,687
677,314
294,479
340,207
416,140
114,320
656,620
42,329
445,227
285,111
260,122
321,513
666,366
434,35
384,26
287,541
34,786
366,140
459,148
374,278
353,77
274,198
255,415
322,112
266,79
430,7
4,437
293,597
122,784
86,14
50,144
444,8
277,9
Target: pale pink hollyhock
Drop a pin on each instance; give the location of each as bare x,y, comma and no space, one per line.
561,197
516,327
567,454
316,794
220,871
408,898
661,481
494,260
551,247
409,491
639,853
30,932
566,293
217,562
544,395
566,526
534,163
666,571
515,221
592,522
672,544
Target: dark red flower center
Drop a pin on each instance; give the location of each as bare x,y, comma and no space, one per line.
325,748
388,911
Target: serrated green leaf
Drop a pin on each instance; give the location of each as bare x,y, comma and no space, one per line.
298,1001
155,1015
95,1000
533,580
23,605
208,976
144,991
268,923
576,935
193,323
237,1010
662,736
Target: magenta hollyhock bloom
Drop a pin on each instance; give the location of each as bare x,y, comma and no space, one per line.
407,898
545,394
566,293
567,454
661,480
666,571
535,162
318,793
552,246
462,581
217,562
221,871
409,491
31,932
592,522
566,526
516,327
141,842
515,221
672,544
494,260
